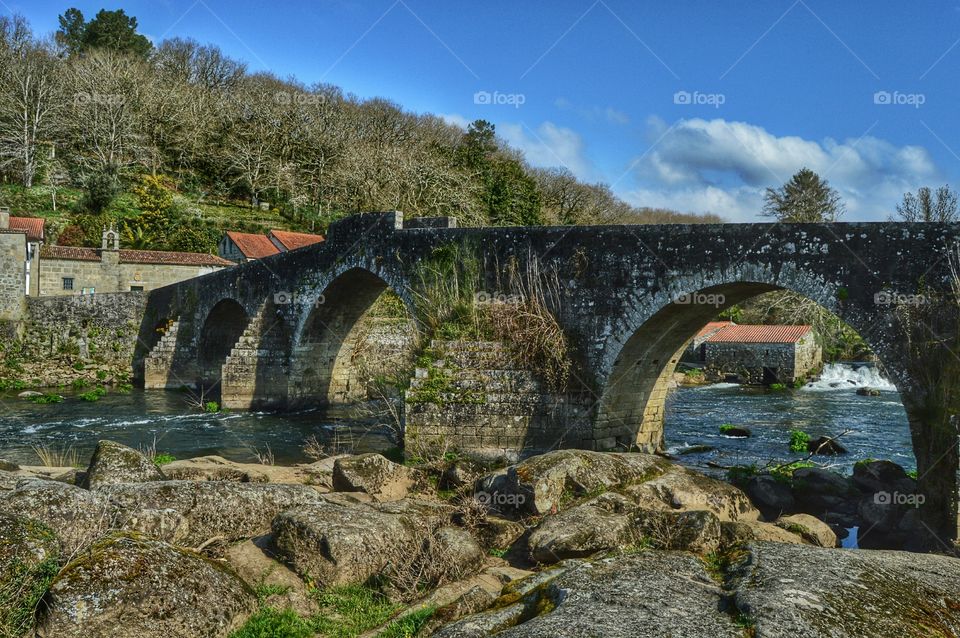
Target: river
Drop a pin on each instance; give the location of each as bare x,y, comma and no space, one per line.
878,425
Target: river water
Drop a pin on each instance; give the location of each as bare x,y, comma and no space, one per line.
827,407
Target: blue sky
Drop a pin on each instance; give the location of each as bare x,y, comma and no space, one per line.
694,105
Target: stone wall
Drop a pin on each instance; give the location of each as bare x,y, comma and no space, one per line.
111,276
473,399
13,251
98,332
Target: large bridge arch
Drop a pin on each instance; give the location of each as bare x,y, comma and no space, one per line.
324,369
630,411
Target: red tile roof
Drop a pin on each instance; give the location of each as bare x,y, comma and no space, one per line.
712,327
292,241
253,246
69,252
135,256
759,334
32,226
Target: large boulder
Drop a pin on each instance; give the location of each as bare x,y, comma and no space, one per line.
790,590
547,483
29,551
338,544
254,562
378,476
682,489
811,529
116,463
772,496
650,594
874,477
214,468
740,532
129,586
212,509
818,491
613,521
604,523
78,516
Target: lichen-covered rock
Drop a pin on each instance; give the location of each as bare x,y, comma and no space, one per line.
128,586
683,489
739,532
29,551
818,491
115,463
377,476
457,548
213,468
650,594
543,484
338,544
494,532
253,561
812,529
791,590
603,523
213,509
76,515
612,521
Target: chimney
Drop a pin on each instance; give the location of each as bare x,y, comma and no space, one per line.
4,218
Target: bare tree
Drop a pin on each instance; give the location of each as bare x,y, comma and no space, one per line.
929,206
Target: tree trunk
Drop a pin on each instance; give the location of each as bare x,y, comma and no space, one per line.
935,439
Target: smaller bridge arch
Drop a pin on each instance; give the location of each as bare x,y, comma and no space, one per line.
219,333
327,365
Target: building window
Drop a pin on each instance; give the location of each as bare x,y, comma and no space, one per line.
68,283
136,288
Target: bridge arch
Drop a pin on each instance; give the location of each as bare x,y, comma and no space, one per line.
632,401
221,329
327,363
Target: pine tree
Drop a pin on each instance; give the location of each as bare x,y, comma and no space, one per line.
805,198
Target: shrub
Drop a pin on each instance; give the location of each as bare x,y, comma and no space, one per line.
163,459
211,407
94,395
20,594
50,397
798,441
778,386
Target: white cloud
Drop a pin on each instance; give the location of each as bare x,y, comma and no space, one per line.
724,167
549,146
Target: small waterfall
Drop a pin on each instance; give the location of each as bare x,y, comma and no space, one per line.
843,376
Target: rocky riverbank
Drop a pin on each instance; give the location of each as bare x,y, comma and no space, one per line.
570,543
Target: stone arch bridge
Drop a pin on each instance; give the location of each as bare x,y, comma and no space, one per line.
280,331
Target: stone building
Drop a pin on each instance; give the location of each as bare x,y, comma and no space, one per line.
69,270
759,354
244,247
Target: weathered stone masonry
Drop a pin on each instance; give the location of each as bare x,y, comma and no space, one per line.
617,301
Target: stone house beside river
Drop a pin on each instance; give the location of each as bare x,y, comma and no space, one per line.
756,354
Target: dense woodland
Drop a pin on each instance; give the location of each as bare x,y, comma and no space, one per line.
150,135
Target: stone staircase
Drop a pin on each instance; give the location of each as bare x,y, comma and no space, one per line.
256,370
158,363
475,398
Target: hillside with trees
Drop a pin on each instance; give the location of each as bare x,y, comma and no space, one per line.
177,142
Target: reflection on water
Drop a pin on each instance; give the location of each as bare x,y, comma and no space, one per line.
137,418
877,425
